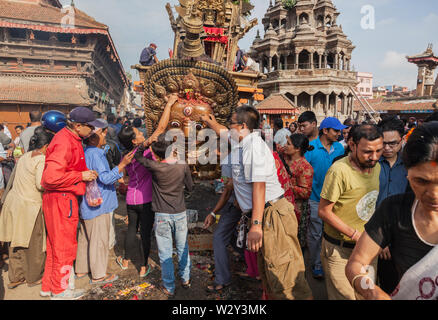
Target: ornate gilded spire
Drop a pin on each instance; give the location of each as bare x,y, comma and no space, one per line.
193,25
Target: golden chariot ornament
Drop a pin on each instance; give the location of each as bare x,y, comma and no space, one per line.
202,85
203,88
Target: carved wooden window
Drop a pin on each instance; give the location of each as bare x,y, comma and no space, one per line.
64,37
82,39
40,35
17,33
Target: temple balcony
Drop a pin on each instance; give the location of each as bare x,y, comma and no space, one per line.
309,74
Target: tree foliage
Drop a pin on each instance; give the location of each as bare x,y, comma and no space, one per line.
289,4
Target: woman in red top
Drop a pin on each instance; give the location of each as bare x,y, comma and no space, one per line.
285,181
301,177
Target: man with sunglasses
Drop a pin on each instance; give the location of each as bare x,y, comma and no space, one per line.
64,178
393,180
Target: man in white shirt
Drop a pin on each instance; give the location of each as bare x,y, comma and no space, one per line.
273,224
250,64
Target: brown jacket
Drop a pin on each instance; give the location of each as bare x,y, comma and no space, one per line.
280,261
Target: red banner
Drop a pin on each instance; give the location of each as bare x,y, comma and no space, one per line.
222,39
214,31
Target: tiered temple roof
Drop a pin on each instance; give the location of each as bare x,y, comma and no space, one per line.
306,54
54,56
47,12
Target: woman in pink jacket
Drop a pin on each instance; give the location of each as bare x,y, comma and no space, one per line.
139,194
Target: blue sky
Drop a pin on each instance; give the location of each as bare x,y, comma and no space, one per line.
403,27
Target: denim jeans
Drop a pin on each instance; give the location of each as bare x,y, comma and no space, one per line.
168,226
314,235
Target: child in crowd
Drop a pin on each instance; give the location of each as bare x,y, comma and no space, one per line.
168,180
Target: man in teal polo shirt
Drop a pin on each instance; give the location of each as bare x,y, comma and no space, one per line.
326,149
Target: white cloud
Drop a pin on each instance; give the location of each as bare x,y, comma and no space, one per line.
395,69
386,22
431,19
394,60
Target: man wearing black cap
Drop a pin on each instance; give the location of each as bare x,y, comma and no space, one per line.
64,178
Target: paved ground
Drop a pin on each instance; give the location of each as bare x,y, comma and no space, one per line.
202,199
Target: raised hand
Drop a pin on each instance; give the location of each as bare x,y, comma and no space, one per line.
172,99
127,159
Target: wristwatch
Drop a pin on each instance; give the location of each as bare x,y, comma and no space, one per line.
256,222
213,214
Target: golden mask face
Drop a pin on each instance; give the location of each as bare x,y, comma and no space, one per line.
203,88
185,112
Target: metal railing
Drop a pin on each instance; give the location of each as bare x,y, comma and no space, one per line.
366,106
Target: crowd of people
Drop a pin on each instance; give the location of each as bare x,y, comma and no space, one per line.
343,181
361,199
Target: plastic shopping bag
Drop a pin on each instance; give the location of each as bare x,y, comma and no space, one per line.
93,195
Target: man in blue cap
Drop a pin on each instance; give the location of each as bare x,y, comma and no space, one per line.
326,149
64,178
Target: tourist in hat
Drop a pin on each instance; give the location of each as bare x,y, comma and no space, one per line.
326,149
64,179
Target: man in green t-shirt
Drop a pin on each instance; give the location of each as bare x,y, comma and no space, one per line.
348,200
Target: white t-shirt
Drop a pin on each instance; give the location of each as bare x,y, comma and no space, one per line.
252,65
254,162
